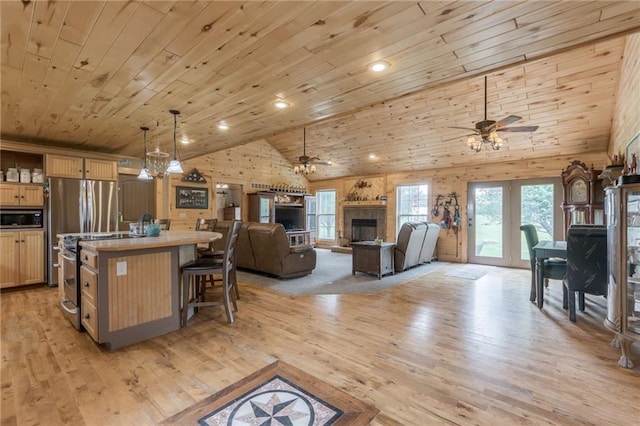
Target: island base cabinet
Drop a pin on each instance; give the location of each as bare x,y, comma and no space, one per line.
136,296
89,285
90,319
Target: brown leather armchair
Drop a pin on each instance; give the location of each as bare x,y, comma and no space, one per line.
264,247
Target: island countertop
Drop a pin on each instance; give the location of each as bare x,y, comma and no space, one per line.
165,239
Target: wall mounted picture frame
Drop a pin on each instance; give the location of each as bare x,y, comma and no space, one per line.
192,198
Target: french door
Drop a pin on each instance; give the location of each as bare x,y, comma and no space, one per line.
497,209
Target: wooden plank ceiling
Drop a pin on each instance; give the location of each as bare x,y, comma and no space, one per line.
88,74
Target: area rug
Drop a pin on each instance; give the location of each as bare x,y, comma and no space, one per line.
469,271
278,395
332,275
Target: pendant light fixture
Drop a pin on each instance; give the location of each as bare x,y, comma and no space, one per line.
157,160
144,171
174,165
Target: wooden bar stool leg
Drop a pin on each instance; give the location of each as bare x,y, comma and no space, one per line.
226,296
185,297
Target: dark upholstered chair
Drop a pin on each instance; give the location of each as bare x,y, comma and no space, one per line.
552,269
586,264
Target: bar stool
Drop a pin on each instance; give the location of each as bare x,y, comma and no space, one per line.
208,225
165,224
196,293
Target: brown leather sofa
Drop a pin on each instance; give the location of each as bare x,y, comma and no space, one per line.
264,247
415,244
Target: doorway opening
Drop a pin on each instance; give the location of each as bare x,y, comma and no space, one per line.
228,201
496,211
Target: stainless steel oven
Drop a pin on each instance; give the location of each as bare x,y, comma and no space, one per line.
10,218
70,304
69,256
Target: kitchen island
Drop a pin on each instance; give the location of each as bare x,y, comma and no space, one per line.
130,287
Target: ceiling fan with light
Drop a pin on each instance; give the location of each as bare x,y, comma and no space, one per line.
306,164
487,130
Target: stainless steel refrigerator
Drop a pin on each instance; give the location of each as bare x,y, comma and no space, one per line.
77,205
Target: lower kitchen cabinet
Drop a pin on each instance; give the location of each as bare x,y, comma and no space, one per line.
89,297
22,261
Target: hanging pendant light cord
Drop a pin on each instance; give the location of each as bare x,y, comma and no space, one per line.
144,129
175,124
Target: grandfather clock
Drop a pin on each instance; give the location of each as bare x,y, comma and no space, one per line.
583,195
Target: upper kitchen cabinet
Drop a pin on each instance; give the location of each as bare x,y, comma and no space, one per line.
81,168
23,195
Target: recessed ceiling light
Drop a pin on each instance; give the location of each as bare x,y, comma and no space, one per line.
184,140
379,66
372,156
280,104
223,126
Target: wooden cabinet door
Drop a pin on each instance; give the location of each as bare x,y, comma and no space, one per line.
100,169
31,257
63,166
31,195
9,260
9,194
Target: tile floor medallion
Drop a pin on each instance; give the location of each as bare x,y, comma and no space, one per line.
278,395
276,402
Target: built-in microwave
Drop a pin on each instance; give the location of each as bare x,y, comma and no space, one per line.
20,219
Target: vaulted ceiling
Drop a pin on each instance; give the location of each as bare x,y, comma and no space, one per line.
88,74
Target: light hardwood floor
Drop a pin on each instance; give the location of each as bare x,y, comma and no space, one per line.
437,350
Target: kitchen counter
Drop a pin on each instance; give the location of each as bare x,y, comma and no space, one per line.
165,239
131,287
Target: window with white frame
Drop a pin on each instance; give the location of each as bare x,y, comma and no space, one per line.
326,208
412,204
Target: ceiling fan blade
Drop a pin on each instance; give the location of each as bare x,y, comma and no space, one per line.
519,129
507,120
464,128
317,160
460,137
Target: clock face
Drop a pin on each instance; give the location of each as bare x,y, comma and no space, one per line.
578,191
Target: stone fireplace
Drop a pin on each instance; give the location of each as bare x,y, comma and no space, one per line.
370,222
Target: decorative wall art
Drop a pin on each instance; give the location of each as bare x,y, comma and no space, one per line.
192,198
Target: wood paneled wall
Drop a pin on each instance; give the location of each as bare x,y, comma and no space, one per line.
626,121
257,162
445,181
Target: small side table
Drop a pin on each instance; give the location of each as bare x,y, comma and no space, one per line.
372,258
